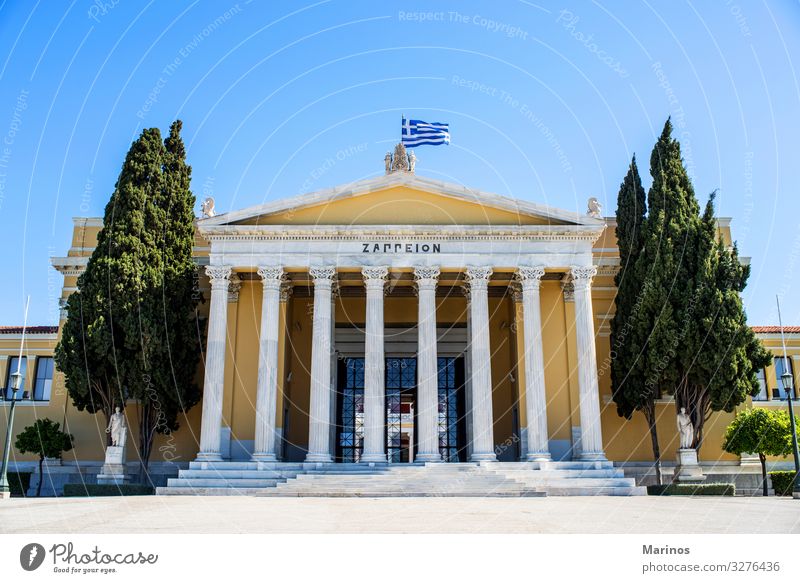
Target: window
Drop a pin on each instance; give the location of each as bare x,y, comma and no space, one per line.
13,363
44,378
779,364
763,393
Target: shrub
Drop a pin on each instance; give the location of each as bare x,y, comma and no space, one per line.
782,482
18,483
692,490
108,490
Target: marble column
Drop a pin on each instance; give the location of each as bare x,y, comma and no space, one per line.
427,367
374,367
319,421
214,380
482,420
588,388
535,399
267,387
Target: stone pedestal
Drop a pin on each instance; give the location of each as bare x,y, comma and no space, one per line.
113,470
688,469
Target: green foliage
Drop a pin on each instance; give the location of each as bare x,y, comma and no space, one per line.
692,490
689,329
108,490
131,330
626,376
44,438
18,483
762,431
782,482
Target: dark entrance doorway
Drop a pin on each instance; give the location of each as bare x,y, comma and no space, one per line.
401,409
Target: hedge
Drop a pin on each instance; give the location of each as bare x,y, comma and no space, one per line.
782,482
108,490
692,490
18,483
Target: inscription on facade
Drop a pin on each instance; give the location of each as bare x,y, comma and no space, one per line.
401,247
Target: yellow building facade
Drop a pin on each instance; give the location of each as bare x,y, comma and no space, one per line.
393,320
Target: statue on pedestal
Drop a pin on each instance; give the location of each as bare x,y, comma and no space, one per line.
117,427
685,429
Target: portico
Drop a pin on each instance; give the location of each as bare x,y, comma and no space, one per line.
457,260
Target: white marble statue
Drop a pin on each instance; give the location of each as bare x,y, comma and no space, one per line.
117,427
412,161
207,207
595,208
686,429
387,161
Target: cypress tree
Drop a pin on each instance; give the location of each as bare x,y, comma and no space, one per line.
94,352
627,378
696,342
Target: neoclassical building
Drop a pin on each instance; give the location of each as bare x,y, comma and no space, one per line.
394,320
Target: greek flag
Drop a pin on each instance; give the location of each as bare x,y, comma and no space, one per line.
419,133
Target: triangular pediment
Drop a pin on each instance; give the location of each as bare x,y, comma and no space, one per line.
400,199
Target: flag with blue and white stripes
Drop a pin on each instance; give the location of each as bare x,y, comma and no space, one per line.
421,133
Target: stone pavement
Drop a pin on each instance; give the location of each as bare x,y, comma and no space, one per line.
235,514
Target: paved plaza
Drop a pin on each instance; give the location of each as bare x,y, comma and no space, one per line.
233,514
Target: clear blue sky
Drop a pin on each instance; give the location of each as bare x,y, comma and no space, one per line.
547,102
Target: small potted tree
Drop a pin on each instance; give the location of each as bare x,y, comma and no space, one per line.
762,431
45,438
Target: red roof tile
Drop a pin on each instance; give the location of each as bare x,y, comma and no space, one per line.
775,329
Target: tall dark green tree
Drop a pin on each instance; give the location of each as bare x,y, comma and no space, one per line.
131,330
697,345
170,345
627,375
94,352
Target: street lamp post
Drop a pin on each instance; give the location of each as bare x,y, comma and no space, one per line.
16,381
788,386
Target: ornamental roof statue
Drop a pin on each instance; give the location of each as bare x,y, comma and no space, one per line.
400,161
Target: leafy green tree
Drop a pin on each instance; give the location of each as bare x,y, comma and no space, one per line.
762,431
168,327
698,346
46,439
627,376
95,351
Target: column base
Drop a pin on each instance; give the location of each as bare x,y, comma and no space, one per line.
592,456
373,458
428,457
5,495
319,458
541,456
483,457
207,456
263,457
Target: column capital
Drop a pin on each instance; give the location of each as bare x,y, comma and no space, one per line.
581,276
286,292
426,277
530,277
478,276
271,276
375,276
218,274
322,275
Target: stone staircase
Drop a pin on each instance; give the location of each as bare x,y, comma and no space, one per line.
429,480
492,479
570,478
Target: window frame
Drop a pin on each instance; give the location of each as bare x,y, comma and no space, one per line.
40,360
